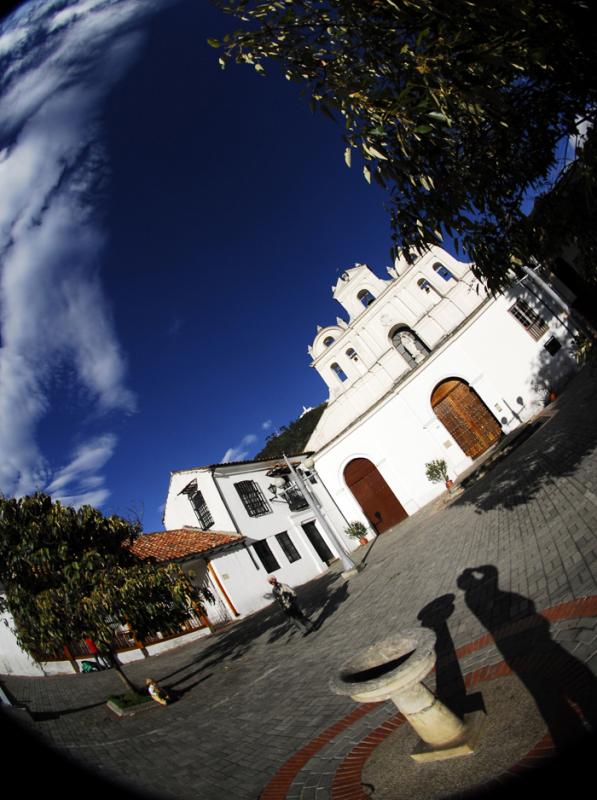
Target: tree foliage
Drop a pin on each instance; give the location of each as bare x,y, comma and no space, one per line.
292,438
68,575
455,106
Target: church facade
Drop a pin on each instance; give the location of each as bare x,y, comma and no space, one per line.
428,366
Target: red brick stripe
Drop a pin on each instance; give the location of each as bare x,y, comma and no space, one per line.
347,780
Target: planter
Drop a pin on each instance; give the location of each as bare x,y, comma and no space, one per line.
363,540
449,484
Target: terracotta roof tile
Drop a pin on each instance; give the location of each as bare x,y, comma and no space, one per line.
181,543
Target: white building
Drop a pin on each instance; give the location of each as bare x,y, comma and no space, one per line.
284,535
428,366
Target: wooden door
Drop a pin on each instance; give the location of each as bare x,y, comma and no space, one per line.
466,417
379,503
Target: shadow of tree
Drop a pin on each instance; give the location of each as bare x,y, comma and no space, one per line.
553,445
563,688
234,642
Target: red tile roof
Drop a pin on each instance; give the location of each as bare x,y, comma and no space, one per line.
181,543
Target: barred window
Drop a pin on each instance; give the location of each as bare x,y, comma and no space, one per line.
253,498
288,548
265,555
201,510
529,319
296,499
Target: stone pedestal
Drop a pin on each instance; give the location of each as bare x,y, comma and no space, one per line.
393,670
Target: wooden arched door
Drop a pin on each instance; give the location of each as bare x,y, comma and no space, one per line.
379,503
466,417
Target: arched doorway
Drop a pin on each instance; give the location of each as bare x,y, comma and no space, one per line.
372,493
466,417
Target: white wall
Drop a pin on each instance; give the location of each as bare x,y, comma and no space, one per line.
496,356
13,660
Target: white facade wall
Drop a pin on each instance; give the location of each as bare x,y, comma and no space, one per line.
13,660
494,354
240,571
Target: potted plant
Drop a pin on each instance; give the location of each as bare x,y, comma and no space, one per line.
437,472
356,530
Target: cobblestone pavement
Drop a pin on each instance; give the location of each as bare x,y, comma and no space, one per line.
254,694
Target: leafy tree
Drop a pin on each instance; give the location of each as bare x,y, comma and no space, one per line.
455,106
69,575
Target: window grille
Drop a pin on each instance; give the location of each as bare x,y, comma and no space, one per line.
529,319
265,555
352,354
296,499
252,498
201,510
288,548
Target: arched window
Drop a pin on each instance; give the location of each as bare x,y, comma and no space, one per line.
365,297
410,346
352,354
443,272
328,341
339,372
424,285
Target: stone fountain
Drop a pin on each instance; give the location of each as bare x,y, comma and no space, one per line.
393,669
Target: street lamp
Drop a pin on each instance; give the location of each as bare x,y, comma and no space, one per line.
349,567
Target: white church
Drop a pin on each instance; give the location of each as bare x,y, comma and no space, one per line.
428,366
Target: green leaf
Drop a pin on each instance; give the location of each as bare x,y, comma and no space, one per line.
214,43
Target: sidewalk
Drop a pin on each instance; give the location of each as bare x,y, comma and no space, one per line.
256,717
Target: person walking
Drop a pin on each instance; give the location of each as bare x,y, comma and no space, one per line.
286,598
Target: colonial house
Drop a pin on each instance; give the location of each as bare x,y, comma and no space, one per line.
428,366
193,550
291,525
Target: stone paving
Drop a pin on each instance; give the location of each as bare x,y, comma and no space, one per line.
255,694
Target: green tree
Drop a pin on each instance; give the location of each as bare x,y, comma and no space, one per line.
456,107
69,575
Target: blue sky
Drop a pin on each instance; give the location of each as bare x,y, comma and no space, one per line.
169,234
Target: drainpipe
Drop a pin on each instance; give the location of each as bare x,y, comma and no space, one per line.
231,515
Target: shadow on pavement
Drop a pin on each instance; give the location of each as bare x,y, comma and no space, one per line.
542,449
233,643
449,682
563,688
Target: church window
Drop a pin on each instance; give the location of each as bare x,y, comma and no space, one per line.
352,354
201,510
329,340
529,319
424,285
339,372
365,297
252,498
443,272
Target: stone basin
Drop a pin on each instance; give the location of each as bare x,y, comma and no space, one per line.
387,667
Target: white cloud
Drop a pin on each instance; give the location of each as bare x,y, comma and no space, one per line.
53,311
265,426
241,451
78,483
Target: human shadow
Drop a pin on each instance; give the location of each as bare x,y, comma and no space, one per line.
449,682
563,688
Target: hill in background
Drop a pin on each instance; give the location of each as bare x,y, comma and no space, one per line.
292,438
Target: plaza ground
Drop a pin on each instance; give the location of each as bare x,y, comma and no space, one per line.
255,695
